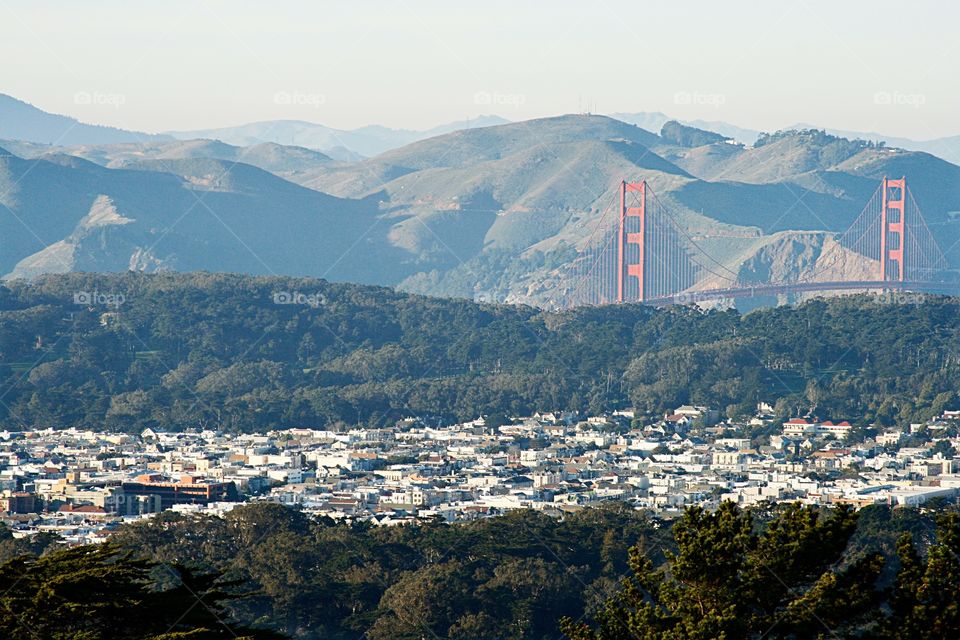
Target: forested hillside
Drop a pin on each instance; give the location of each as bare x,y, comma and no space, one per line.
129,351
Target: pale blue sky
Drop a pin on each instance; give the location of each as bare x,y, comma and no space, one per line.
186,64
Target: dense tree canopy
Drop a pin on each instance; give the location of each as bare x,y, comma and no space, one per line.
214,350
801,574
611,573
506,577
924,601
94,593
729,580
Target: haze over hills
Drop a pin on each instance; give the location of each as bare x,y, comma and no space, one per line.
23,122
284,161
342,144
369,141
947,148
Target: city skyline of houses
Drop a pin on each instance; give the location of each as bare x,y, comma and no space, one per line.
81,484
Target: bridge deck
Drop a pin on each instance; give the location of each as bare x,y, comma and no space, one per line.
759,290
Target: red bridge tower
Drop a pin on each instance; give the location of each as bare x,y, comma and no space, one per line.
633,204
892,238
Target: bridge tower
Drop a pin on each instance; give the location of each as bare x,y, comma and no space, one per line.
892,222
642,254
632,231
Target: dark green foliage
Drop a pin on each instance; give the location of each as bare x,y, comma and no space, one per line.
944,448
506,577
793,573
685,136
774,572
831,149
924,601
93,593
215,351
728,579
35,545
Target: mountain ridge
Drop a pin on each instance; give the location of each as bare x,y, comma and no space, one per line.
367,141
21,120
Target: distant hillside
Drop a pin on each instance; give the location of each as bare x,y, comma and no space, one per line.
825,167
67,214
947,148
473,147
686,136
365,141
278,159
22,121
782,156
655,120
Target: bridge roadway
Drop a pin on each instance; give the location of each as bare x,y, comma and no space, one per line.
754,291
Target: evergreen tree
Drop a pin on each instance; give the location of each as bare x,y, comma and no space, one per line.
924,601
727,580
101,593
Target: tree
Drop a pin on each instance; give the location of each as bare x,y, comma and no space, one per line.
34,545
924,602
99,592
944,448
661,450
726,580
422,603
941,402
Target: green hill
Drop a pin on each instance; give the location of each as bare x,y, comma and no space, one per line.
127,351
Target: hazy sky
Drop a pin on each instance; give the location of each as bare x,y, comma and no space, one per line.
188,64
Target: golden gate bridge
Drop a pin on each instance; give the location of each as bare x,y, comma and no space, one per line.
643,255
